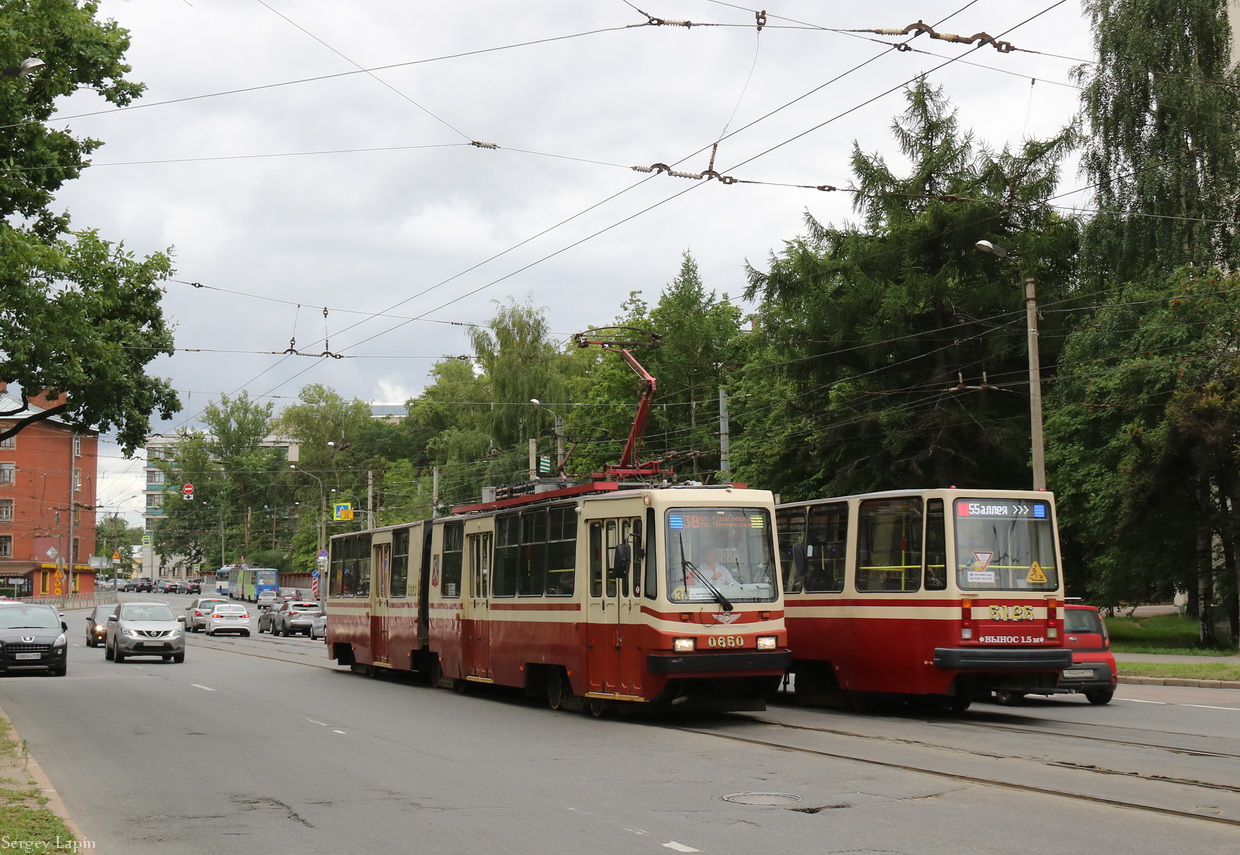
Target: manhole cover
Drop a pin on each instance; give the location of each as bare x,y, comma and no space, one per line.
762,798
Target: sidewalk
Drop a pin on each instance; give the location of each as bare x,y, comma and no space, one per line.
1121,658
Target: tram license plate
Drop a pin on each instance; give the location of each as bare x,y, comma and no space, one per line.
27,655
1078,673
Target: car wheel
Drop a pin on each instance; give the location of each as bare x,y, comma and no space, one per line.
107,651
60,670
246,633
118,655
167,657
179,658
1098,697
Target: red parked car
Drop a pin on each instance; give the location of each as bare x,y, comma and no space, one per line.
1092,672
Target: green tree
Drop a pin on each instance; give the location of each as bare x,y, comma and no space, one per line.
891,352
80,316
1146,423
1163,106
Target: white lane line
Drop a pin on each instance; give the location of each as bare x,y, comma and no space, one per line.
1139,701
337,731
679,847
204,688
1208,707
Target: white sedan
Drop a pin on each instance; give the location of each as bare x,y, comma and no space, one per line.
228,617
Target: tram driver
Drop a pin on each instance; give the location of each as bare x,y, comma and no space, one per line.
713,569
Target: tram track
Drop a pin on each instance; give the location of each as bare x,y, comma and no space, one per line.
1163,801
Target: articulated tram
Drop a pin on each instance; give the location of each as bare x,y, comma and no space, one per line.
597,596
950,594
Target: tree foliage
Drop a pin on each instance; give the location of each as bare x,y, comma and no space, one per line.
893,353
1162,104
80,316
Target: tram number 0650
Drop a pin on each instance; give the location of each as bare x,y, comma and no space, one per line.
725,641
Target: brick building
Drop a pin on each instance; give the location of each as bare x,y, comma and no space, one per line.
48,477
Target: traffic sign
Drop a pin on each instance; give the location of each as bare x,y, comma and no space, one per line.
187,492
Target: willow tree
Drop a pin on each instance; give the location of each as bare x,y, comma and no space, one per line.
891,352
1163,107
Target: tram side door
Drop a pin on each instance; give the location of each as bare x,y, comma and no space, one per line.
478,627
380,615
613,647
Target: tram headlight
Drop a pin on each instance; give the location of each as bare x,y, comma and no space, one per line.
683,645
767,642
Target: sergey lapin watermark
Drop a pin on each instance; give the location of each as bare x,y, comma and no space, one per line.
9,844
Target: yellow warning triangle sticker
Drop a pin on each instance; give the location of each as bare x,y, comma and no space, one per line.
1036,576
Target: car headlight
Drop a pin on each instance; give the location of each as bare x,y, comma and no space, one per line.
683,645
61,641
180,629
130,633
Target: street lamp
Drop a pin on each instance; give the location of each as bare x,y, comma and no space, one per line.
28,67
322,505
1035,370
558,430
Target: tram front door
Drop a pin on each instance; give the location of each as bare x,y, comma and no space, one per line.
613,651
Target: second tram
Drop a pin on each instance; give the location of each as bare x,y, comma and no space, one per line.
950,593
596,596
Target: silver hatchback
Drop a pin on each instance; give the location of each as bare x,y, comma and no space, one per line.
144,629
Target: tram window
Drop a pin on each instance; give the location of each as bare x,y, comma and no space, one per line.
400,563
648,549
562,551
532,575
889,545
507,555
453,555
936,546
596,558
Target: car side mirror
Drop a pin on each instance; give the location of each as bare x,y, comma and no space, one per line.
181,618
64,627
111,617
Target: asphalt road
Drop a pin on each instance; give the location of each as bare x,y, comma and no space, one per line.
262,745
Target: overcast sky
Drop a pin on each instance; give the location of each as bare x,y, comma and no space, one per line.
301,156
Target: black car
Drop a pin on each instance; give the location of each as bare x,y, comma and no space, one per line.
143,584
33,636
193,586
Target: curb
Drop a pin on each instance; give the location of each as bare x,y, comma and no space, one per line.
1180,681
54,802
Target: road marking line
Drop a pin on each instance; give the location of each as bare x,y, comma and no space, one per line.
1208,707
204,688
1139,701
679,847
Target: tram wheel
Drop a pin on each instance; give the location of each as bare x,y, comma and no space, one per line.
558,689
598,707
957,703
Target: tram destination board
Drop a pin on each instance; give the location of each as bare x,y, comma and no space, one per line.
716,518
1003,509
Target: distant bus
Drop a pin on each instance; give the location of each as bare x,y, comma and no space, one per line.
246,583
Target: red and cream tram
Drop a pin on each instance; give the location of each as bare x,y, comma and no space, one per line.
596,595
945,593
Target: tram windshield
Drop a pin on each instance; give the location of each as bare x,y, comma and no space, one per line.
720,555
1005,545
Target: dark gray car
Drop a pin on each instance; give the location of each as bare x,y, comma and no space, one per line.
33,636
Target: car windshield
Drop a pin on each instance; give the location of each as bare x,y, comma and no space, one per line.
29,618
153,611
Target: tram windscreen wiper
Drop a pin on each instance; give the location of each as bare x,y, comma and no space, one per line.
687,567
